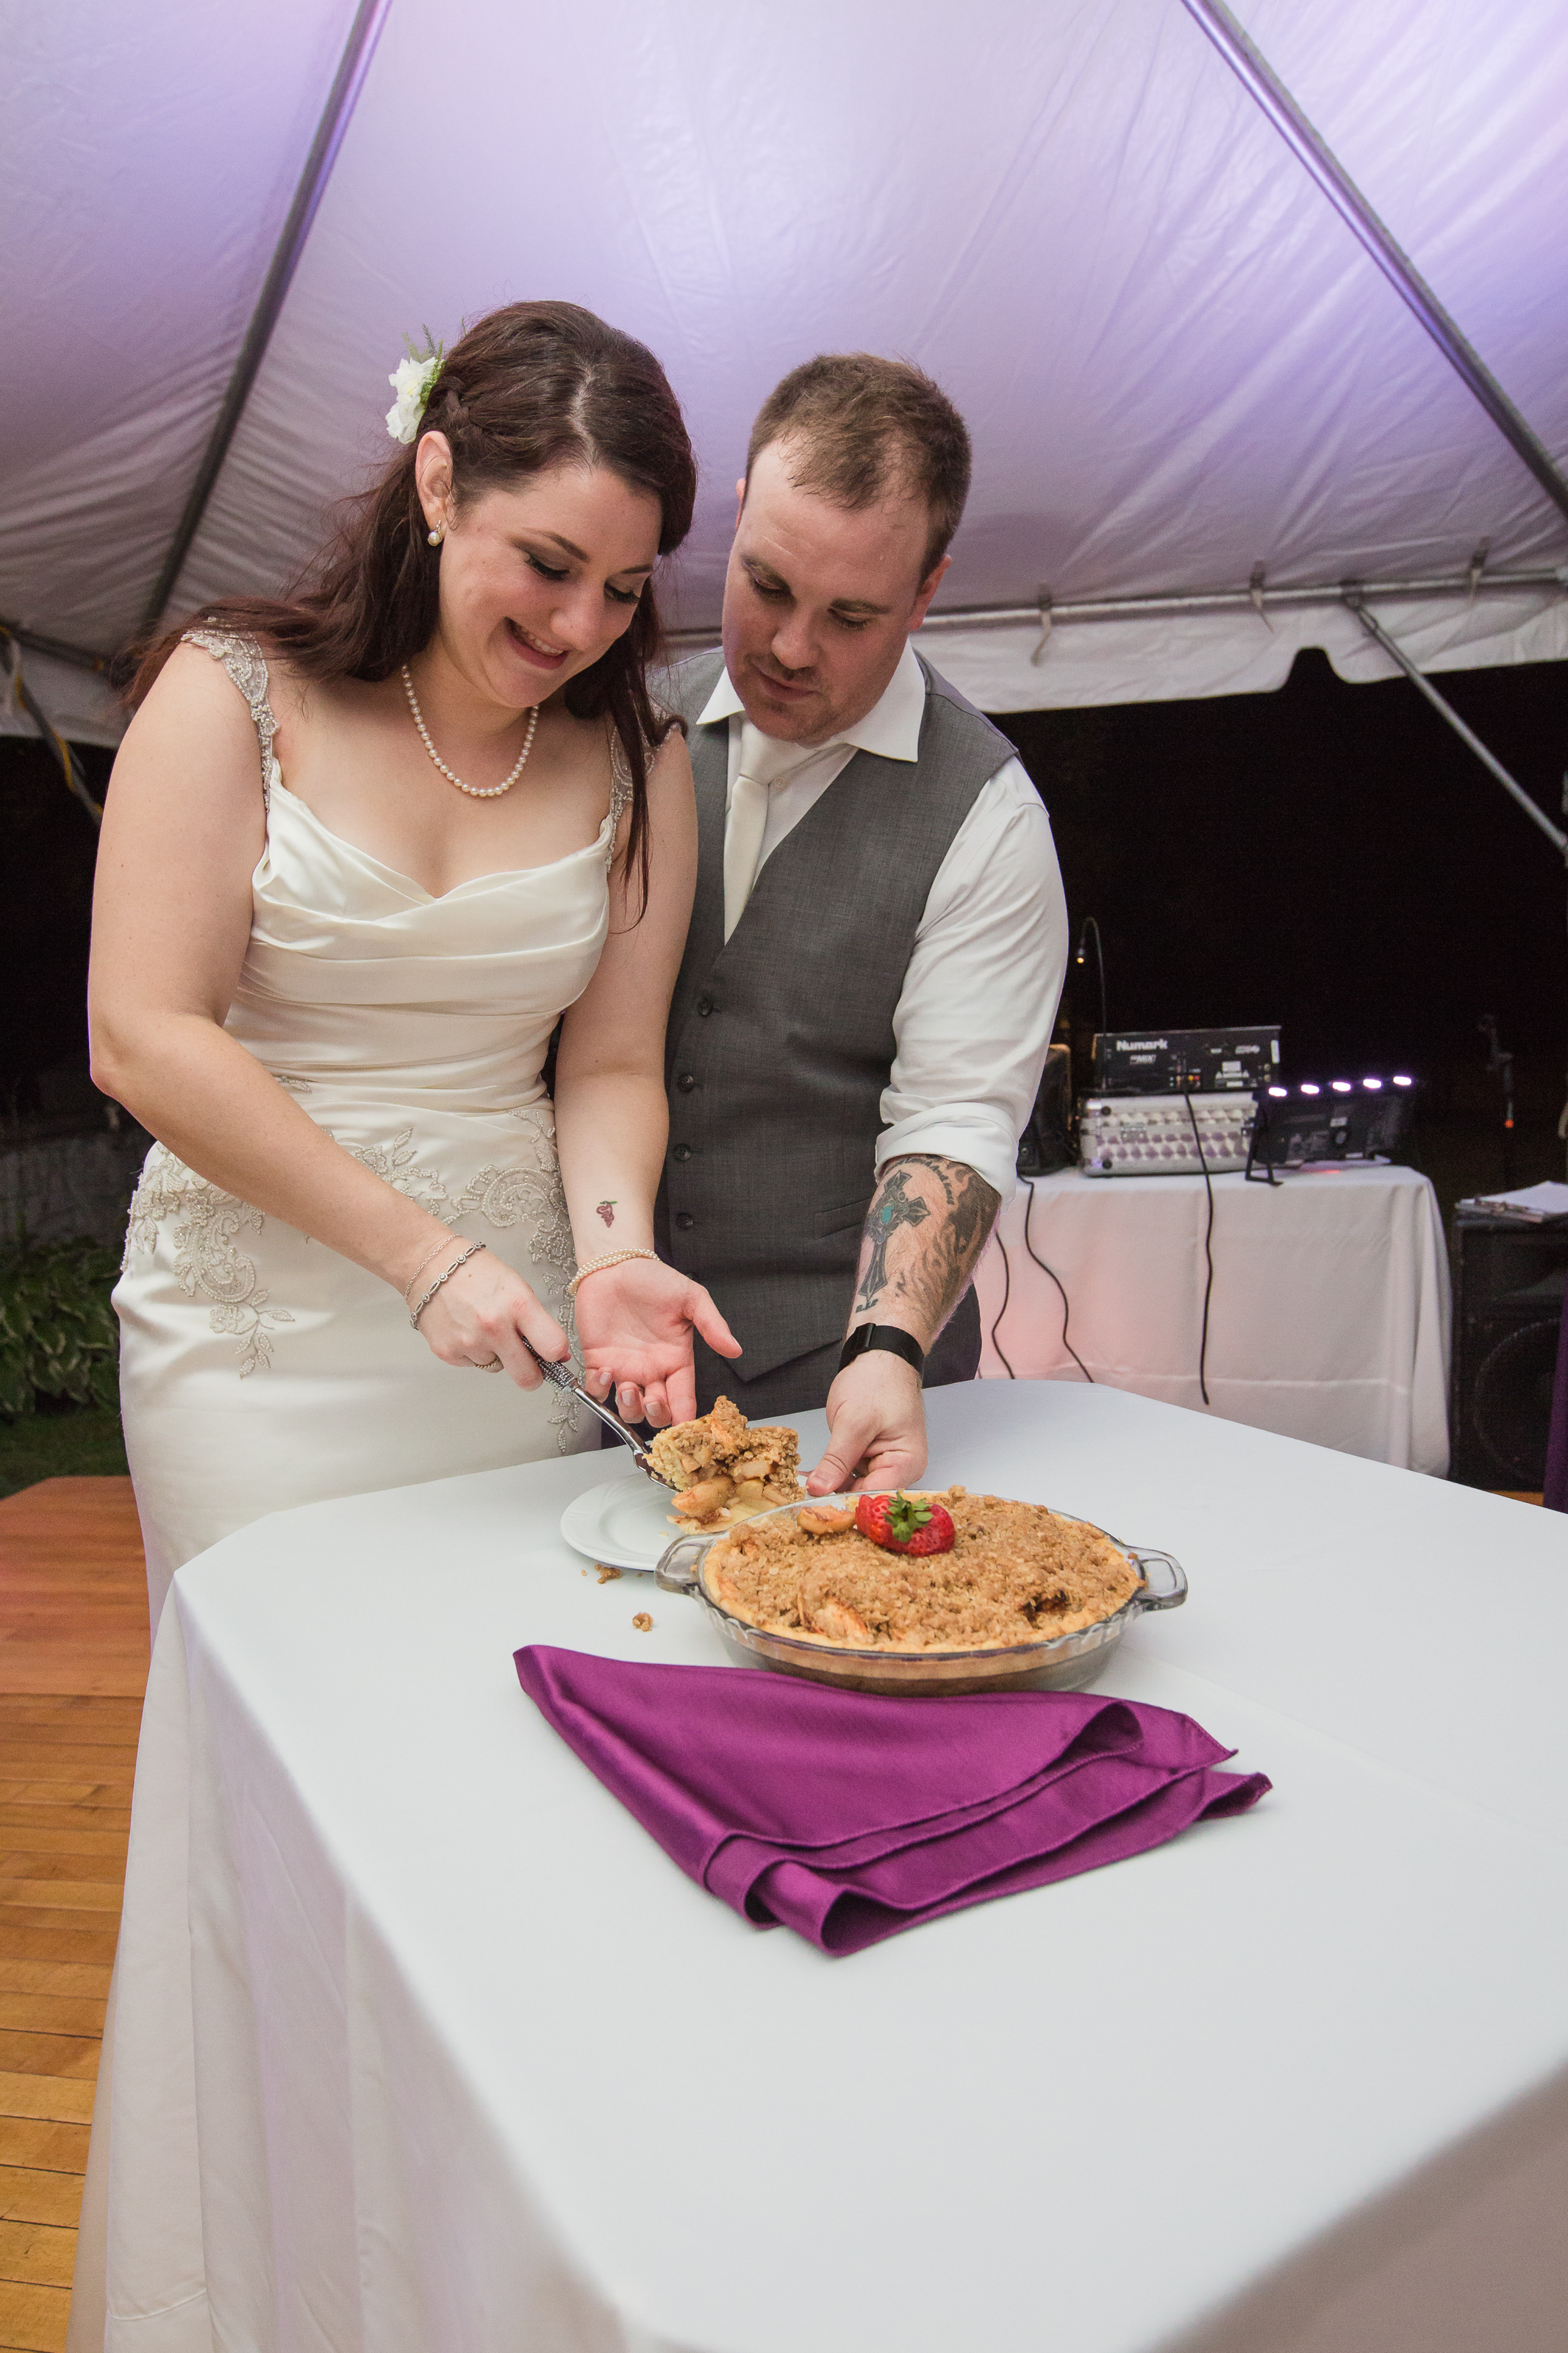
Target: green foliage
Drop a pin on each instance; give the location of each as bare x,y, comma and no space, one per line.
82,1441
59,1334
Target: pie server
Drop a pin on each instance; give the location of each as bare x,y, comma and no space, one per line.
561,1377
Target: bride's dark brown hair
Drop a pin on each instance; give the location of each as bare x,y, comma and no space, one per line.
534,385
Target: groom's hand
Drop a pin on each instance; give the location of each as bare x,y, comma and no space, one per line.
876,1428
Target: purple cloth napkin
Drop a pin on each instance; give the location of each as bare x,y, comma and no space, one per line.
848,1817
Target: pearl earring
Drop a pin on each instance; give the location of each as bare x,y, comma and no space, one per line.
437,534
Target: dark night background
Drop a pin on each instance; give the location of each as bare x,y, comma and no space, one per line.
1328,856
1332,858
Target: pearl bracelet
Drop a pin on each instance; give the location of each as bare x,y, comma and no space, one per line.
611,1258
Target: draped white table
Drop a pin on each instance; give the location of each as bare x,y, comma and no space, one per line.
477,2067
1329,1320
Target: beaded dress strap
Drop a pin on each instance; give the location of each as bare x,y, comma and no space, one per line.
241,656
620,786
621,773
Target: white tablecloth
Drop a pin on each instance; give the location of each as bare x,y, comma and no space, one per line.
478,2069
1329,1320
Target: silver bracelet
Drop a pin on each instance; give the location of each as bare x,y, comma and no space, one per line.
472,1250
445,1242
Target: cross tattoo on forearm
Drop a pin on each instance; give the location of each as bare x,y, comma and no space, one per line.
925,1277
893,1206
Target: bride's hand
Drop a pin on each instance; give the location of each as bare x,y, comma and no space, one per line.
634,1322
484,1312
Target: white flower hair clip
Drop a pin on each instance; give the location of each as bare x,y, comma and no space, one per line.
413,382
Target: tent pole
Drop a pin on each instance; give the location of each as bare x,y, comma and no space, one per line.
353,66
1445,709
1240,600
1154,607
1552,582
34,641
1252,69
65,754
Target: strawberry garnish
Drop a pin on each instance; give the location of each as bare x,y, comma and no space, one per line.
908,1523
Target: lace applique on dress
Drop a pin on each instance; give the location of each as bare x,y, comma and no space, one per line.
507,1197
241,656
390,1162
207,1263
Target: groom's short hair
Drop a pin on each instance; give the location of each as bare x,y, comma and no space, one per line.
865,427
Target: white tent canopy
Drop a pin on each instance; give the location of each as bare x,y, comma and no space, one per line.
1176,361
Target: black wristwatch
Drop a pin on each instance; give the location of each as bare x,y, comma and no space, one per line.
882,1335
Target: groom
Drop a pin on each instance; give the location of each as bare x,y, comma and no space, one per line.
871,975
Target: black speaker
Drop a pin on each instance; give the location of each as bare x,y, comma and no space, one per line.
1509,1284
1047,1143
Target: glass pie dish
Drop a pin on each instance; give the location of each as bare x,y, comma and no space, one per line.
1064,1663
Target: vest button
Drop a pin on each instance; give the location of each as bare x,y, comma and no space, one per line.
682,1152
685,1220
705,1006
686,1083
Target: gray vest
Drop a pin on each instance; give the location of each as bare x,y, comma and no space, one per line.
781,1041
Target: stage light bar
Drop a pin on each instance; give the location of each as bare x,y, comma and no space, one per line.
1317,1120
1372,1084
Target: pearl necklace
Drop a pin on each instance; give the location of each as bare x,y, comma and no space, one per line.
474,792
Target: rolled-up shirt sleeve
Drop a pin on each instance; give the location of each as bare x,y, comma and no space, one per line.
979,999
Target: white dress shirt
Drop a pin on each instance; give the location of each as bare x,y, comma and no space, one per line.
979,999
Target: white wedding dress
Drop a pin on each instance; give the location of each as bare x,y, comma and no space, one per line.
258,1369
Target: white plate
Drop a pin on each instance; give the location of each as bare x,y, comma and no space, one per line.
623,1524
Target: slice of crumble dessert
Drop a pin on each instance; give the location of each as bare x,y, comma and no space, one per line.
725,1469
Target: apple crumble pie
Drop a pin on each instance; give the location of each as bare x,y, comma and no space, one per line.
1017,1573
726,1471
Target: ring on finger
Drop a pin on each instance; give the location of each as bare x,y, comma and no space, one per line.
494,1365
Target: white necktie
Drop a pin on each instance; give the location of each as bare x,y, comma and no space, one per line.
743,830
764,763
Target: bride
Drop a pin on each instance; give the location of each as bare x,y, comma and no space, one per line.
361,849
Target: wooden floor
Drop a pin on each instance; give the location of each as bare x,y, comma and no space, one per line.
73,1665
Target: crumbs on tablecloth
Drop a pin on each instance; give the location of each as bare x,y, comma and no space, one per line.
643,1622
606,1575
